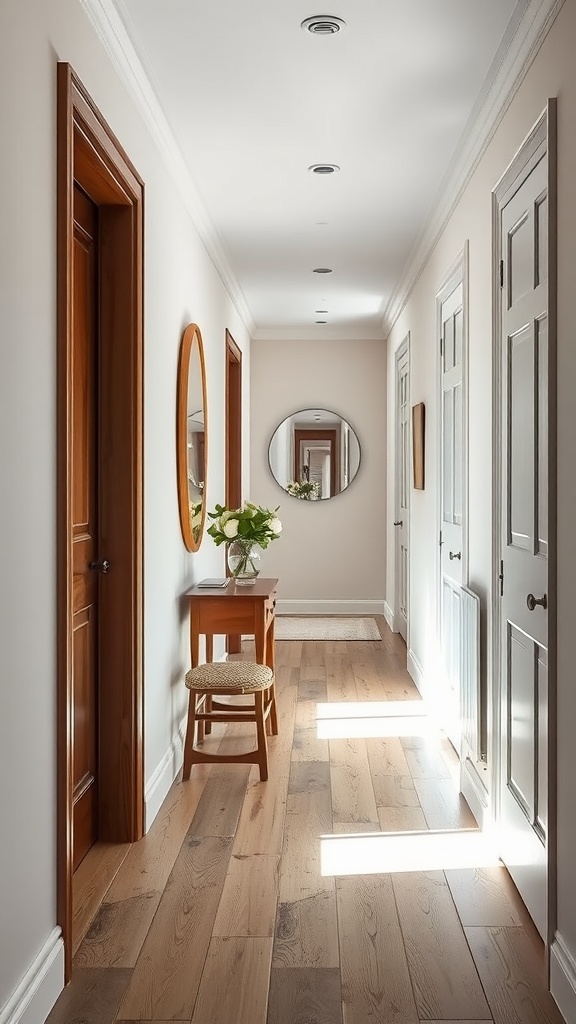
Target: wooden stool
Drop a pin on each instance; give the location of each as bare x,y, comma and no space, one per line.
229,678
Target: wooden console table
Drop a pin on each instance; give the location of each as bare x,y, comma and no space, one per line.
234,610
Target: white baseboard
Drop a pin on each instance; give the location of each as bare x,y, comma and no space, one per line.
291,607
475,793
163,776
416,671
563,978
389,616
40,987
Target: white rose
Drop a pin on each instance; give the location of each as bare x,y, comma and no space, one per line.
275,525
230,529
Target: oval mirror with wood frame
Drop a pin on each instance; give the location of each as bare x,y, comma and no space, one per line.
191,436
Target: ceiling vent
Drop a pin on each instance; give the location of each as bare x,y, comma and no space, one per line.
324,168
323,25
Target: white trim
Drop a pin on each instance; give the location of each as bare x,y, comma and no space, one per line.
40,987
295,607
515,55
163,776
416,671
563,977
402,351
473,789
389,616
112,32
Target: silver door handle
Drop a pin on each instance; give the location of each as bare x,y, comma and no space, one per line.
455,554
532,601
398,522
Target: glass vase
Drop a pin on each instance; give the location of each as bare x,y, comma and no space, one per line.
243,561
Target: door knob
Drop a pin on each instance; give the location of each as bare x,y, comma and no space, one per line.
398,522
102,566
532,601
455,554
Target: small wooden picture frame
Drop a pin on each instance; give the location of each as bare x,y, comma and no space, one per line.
418,433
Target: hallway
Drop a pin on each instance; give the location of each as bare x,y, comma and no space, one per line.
222,915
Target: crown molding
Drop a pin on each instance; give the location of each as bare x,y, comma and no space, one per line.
526,32
117,43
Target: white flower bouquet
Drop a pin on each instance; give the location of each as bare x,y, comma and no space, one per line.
251,523
307,489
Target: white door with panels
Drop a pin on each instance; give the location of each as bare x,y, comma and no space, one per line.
452,470
524,532
402,501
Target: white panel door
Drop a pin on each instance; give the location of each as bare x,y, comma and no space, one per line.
524,539
402,504
451,503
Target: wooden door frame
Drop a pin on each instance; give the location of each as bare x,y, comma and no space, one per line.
233,482
233,444
88,152
331,434
543,135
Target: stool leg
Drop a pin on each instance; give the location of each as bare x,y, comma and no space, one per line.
189,740
261,734
273,715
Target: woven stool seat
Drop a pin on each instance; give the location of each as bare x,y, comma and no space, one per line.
229,678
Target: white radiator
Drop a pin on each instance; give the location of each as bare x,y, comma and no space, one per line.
470,710
461,663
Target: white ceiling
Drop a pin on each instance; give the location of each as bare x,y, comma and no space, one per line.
253,101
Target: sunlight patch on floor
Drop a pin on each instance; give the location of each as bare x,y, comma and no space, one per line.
392,852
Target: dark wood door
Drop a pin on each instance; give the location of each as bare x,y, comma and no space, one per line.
84,526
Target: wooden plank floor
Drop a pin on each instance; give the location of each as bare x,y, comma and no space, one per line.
222,913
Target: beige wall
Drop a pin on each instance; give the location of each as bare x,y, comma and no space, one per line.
333,550
553,73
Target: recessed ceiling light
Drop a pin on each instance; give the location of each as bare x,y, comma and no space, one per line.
320,310
322,270
321,321
324,168
323,25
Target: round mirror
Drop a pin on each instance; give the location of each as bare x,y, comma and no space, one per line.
314,454
191,437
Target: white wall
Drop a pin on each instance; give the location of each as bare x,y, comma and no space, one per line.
332,550
553,73
181,284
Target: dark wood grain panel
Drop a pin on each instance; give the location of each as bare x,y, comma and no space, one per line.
117,933
306,933
300,995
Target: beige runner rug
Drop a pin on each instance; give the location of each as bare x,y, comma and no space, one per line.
325,627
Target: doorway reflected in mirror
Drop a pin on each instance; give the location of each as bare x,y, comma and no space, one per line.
314,454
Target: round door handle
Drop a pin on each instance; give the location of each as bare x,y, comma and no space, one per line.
455,554
103,566
398,522
532,602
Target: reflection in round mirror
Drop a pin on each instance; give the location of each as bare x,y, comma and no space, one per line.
314,454
191,437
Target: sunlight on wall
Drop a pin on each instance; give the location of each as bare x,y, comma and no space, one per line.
378,853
